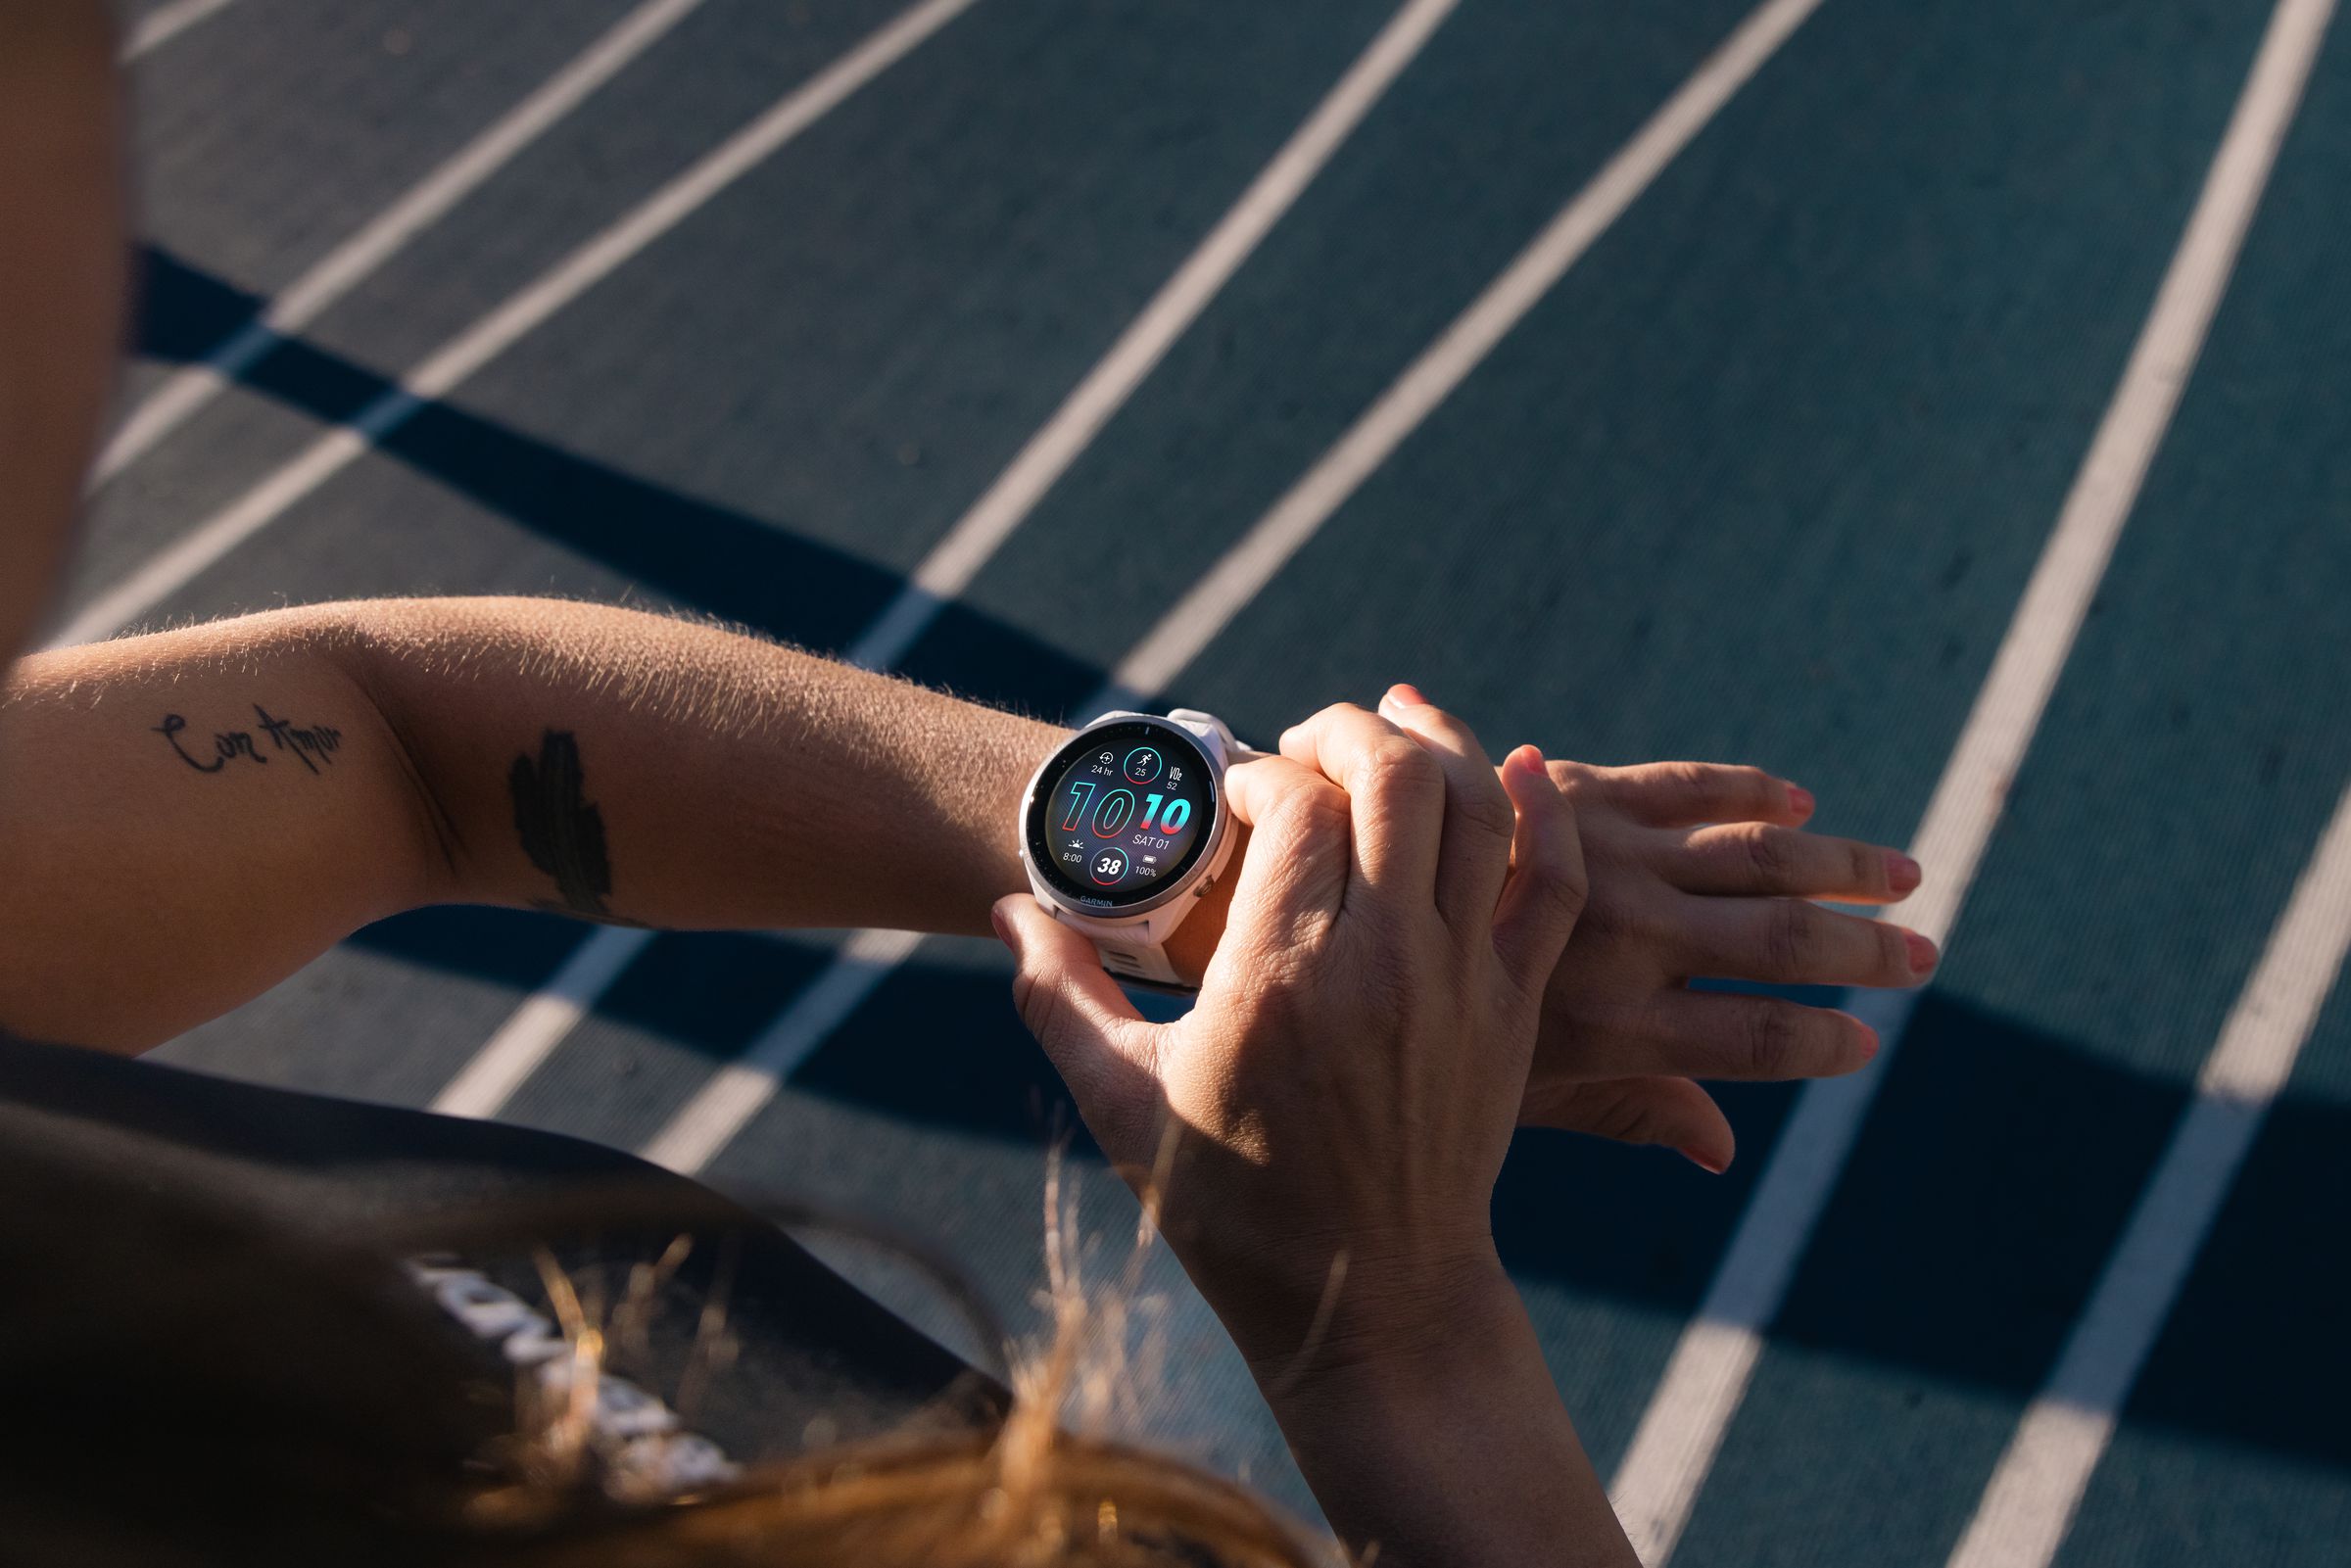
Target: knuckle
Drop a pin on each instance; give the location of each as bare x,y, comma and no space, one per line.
1556,878
1771,855
1864,866
1791,938
1485,808
1577,781
1773,1040
1627,1118
1894,953
1313,815
1686,778
1399,766
1039,1005
1335,713
1304,740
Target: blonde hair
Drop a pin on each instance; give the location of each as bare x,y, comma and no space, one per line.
198,1404
1029,1493
976,1501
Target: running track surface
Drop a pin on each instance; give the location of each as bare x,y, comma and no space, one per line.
1763,476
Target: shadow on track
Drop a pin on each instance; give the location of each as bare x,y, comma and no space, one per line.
705,557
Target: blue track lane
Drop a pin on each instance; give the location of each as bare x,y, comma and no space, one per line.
2198,743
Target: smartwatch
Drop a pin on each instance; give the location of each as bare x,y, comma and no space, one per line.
1126,827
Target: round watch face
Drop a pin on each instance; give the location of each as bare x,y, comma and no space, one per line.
1121,813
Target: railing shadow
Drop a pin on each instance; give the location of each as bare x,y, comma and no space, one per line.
690,552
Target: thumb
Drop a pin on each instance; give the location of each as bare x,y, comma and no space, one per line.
1672,1112
1099,1044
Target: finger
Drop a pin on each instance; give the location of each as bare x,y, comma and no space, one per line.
1761,858
1097,1041
1788,941
1722,1035
1684,794
1395,794
1294,874
1669,1111
1473,851
1546,891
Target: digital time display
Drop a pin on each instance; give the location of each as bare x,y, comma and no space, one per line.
1121,812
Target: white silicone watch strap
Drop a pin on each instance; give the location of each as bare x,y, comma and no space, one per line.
1135,960
1235,753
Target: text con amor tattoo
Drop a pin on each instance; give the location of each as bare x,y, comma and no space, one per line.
309,744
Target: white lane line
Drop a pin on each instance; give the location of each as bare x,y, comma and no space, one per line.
2029,1506
717,1116
729,1099
166,22
1441,367
982,530
492,335
349,264
554,1010
1680,1432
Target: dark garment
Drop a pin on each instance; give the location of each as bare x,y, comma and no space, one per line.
85,1134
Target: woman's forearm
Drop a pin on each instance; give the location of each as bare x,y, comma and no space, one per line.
625,767
187,818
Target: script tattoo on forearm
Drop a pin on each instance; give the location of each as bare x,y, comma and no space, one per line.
311,746
561,830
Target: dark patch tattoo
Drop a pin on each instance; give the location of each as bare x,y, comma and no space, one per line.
309,744
561,830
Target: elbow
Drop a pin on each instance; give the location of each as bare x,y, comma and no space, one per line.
352,640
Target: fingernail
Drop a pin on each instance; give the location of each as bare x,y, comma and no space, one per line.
1000,921
1869,1042
1406,695
1705,1162
1922,953
1901,872
1800,799
1526,759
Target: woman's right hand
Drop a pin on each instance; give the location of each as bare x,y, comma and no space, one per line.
1337,1106
1350,1078
1347,1084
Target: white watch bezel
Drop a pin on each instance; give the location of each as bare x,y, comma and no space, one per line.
1146,925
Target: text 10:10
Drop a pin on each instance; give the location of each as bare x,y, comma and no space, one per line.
1110,817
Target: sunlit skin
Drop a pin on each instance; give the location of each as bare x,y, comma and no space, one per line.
738,785
63,279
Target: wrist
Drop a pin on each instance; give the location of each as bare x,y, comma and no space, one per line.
1433,1315
1008,859
1450,1445
1304,1310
